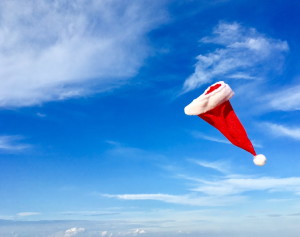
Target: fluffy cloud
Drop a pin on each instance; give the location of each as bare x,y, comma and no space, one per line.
242,54
106,234
138,231
73,231
52,50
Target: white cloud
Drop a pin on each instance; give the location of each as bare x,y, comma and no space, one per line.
209,138
220,166
5,217
12,144
52,50
138,231
242,54
24,214
221,191
41,115
224,190
74,231
89,213
280,130
215,139
106,234
233,186
188,199
285,100
127,152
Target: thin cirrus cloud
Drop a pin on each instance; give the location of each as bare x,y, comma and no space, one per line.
223,190
12,144
220,166
89,213
242,54
209,138
235,184
287,99
232,186
26,214
283,131
58,49
127,152
215,139
188,199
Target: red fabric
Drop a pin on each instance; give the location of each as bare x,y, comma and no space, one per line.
212,88
225,120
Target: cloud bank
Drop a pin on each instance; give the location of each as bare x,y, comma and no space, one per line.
53,50
242,53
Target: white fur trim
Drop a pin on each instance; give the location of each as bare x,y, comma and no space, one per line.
260,160
207,102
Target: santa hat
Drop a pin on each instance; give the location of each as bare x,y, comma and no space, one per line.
214,107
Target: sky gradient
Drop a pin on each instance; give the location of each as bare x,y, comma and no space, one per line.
93,137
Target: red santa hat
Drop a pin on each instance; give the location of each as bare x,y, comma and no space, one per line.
214,107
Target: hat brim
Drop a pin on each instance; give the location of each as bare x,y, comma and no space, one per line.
213,96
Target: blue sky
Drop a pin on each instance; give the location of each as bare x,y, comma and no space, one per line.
93,137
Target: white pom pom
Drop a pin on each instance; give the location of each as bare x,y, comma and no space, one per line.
260,160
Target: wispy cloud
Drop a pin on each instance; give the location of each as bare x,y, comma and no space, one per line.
124,151
25,214
58,49
12,144
222,191
233,186
89,213
41,115
209,138
215,139
221,166
242,54
284,131
188,199
287,99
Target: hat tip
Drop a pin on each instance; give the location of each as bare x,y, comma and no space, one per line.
260,160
